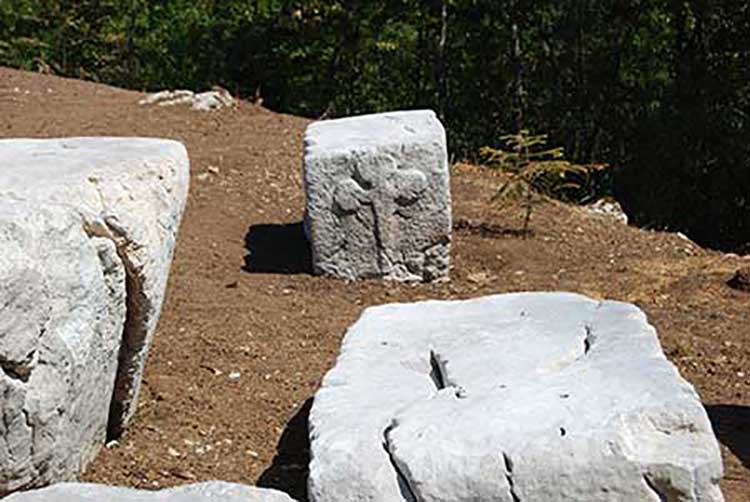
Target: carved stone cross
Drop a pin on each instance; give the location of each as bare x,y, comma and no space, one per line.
384,188
377,190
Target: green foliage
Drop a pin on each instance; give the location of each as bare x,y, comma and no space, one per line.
660,88
533,172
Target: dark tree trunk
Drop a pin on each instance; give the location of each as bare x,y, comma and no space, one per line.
517,99
130,58
441,65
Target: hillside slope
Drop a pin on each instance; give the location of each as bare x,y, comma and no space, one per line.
266,318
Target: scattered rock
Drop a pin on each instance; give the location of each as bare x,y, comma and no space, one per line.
211,491
608,207
740,281
215,371
378,199
685,238
87,230
214,99
536,396
480,278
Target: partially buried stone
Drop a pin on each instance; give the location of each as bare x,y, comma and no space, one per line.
519,397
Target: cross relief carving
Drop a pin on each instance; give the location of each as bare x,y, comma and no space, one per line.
381,186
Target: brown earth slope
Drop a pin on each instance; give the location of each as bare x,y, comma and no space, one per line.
241,298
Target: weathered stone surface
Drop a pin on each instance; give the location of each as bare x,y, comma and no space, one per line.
608,207
378,197
203,101
87,229
211,491
521,397
62,312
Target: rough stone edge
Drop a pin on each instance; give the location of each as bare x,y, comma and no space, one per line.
138,332
113,277
143,313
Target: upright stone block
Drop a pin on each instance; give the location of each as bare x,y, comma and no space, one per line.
378,197
87,231
540,396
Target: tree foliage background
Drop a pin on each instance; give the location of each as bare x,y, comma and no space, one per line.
658,88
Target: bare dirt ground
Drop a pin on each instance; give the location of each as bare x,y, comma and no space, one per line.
241,298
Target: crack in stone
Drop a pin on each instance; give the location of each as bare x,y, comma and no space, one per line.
588,339
384,261
134,330
587,343
655,489
37,467
509,477
6,443
437,371
439,376
404,485
133,339
27,420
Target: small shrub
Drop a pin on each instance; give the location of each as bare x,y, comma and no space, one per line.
534,172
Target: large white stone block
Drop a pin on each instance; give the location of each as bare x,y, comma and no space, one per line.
211,491
537,396
62,313
378,197
87,230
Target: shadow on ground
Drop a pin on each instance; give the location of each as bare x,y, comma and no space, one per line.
488,230
289,469
731,424
277,249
